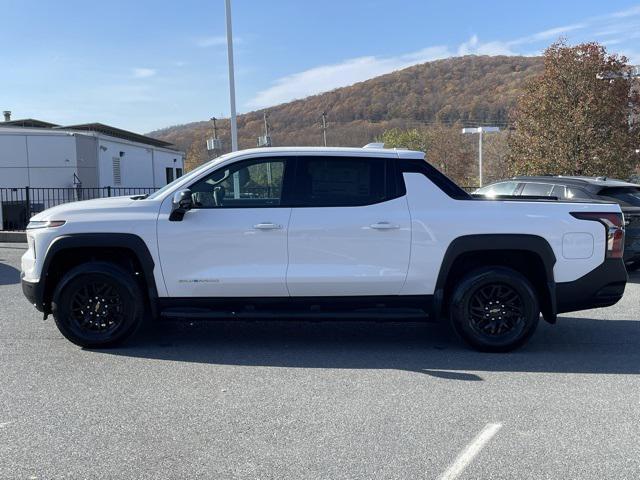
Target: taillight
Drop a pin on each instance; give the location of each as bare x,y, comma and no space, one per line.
614,228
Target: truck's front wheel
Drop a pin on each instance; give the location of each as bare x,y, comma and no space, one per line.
494,309
97,305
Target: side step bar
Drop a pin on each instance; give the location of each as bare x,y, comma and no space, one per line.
387,314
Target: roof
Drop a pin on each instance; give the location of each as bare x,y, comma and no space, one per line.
598,182
117,132
28,122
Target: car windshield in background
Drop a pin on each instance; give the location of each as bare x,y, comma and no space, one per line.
628,195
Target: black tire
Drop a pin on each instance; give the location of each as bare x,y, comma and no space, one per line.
98,305
494,309
633,266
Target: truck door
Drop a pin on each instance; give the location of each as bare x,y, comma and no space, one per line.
350,230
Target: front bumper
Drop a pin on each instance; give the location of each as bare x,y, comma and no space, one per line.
34,293
602,287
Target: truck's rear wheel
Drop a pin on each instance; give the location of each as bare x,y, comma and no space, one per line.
98,305
494,309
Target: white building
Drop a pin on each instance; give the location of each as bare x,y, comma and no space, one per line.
39,154
43,164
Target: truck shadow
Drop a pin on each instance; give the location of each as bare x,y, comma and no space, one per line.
575,345
8,274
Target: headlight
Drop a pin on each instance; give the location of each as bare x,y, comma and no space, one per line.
44,224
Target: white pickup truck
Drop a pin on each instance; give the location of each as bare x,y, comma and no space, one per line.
321,233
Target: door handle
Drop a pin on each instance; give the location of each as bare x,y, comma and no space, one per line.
267,226
384,226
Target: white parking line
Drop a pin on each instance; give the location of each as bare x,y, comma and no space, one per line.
469,453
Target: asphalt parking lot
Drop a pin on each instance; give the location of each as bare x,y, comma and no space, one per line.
257,400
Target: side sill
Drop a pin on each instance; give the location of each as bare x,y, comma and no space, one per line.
414,308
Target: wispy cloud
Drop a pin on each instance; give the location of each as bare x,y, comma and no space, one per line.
474,47
141,72
216,41
609,29
630,12
550,34
328,77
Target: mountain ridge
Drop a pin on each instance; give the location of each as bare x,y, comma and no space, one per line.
470,90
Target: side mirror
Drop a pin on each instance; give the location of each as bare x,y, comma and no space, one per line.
182,203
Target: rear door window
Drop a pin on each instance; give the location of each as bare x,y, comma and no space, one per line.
537,189
501,188
558,191
577,194
341,181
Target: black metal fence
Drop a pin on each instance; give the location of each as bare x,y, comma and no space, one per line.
18,205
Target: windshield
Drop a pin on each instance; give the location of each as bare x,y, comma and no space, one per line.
193,173
627,195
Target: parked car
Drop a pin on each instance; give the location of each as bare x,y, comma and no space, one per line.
602,189
321,233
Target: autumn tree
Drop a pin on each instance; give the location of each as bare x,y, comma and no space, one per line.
569,122
445,148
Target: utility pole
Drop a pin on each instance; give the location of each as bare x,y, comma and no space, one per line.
265,140
266,125
214,145
232,82
480,131
324,128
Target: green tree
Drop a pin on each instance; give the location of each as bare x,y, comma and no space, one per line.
569,122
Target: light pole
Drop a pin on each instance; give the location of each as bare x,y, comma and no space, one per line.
480,131
630,73
232,82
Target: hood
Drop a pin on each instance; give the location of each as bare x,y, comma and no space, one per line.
58,212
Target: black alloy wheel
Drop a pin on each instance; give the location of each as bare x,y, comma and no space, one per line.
98,305
494,309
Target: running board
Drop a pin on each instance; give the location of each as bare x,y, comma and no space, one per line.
387,314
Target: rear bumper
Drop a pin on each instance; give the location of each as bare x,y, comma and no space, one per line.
602,287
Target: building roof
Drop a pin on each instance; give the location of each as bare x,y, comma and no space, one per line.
116,132
29,123
89,127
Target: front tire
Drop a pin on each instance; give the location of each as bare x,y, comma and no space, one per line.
98,305
494,309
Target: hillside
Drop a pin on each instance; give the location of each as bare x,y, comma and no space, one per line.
471,90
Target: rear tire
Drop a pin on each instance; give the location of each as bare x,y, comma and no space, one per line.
633,266
98,305
494,309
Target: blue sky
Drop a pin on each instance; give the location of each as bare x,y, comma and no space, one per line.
142,64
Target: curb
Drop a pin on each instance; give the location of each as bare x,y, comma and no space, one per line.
13,237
